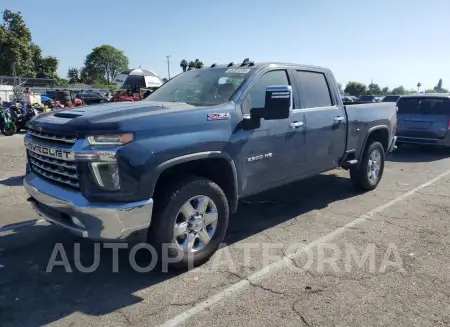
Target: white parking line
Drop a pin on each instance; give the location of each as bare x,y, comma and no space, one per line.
21,225
270,269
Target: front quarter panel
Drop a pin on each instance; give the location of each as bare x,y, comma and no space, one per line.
185,136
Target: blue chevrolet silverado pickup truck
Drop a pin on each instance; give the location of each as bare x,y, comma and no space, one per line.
172,168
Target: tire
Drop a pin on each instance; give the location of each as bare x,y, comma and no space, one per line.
360,174
167,213
10,131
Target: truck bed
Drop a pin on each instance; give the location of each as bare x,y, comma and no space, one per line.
364,117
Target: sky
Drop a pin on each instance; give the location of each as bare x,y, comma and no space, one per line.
392,42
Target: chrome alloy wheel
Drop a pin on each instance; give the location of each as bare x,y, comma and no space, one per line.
374,166
195,224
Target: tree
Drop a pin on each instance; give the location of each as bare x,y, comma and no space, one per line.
106,61
418,86
73,74
398,91
191,64
18,54
385,90
62,82
355,88
46,67
184,65
195,64
438,87
198,63
164,80
374,89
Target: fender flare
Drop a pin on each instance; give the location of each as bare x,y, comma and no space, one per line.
199,156
369,132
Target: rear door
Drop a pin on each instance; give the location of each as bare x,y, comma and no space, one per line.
423,117
325,120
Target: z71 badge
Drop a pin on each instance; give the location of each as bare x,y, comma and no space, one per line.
219,116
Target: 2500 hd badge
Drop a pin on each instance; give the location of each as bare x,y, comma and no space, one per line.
49,152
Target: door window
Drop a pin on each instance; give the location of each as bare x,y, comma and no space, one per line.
313,89
258,92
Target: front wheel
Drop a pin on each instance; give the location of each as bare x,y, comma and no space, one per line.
190,220
368,174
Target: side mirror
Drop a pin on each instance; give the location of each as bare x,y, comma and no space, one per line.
278,103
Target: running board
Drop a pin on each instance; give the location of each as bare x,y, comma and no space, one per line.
349,163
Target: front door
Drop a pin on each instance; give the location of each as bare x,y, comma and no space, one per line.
272,148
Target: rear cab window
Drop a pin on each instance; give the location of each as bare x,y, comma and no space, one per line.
313,88
424,106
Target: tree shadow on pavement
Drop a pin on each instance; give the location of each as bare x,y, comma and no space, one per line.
30,296
12,181
418,153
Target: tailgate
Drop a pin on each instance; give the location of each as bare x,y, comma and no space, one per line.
423,117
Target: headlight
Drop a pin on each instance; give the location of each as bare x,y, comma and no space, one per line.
111,139
106,175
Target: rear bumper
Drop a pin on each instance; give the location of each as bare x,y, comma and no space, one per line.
97,221
392,146
424,141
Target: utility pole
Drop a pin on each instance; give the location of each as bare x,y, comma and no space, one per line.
168,66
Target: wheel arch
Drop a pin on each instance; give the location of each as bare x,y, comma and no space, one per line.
378,133
217,166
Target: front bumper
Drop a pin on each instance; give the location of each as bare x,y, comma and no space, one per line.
102,221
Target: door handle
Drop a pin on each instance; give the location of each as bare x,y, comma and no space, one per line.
296,124
338,119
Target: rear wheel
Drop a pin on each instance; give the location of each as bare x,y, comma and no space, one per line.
368,174
190,220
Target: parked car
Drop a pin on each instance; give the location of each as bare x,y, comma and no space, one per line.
92,97
367,99
171,169
391,98
424,119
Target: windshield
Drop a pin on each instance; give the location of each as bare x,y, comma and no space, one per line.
203,87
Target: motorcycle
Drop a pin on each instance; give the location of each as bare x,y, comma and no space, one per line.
21,119
7,126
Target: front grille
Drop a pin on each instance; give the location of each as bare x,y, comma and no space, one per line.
57,170
52,137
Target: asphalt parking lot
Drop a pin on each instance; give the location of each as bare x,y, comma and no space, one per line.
286,261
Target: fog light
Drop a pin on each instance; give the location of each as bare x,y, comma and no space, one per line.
77,222
106,175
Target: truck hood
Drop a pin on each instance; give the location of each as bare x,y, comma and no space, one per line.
111,117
